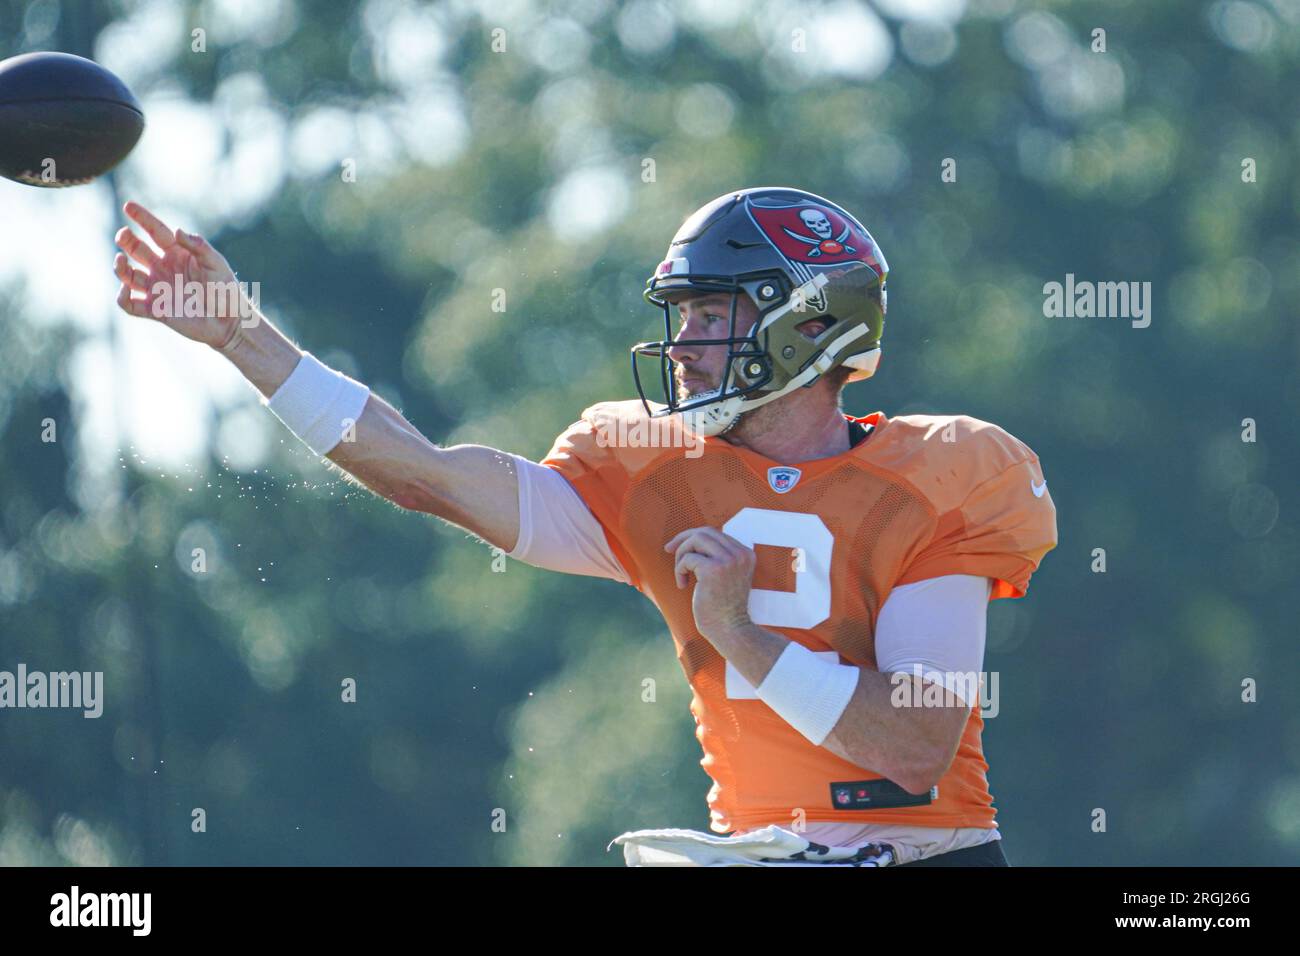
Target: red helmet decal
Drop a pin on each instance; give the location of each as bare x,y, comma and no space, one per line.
814,234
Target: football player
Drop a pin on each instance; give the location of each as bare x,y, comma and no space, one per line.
825,577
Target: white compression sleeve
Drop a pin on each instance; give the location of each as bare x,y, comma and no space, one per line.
938,625
557,531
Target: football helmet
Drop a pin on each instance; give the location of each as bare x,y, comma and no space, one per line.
797,257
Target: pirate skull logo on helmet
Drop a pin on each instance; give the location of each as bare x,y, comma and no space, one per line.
817,222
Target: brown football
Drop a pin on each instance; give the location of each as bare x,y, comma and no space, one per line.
64,120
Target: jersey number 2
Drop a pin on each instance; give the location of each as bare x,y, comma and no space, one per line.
810,602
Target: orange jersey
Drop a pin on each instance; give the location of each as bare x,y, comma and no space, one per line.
922,496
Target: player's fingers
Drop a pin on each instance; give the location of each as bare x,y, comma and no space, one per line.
135,278
734,542
681,536
136,248
721,545
685,566
157,229
200,248
737,549
190,241
671,544
724,540
131,306
697,541
696,553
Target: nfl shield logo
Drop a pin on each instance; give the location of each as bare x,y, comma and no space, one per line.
782,479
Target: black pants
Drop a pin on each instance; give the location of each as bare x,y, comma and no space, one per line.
986,854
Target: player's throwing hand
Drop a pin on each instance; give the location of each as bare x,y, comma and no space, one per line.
175,258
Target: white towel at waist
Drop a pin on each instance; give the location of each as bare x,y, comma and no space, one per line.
820,844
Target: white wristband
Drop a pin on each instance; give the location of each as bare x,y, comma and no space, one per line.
318,404
808,692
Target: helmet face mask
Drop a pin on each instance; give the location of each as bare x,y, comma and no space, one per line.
796,258
746,369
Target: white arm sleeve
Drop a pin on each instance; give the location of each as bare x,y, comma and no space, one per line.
937,624
557,531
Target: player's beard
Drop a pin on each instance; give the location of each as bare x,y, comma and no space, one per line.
692,418
703,386
695,391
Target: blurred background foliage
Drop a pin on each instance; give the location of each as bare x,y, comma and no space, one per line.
525,170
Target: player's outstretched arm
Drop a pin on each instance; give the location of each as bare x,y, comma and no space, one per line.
470,485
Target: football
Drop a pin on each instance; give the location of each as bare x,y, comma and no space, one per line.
64,120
